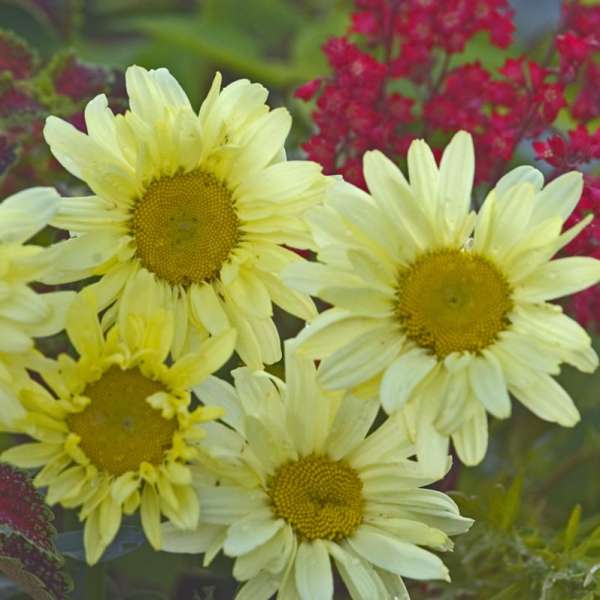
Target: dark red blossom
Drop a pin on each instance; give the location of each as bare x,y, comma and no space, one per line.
587,103
571,152
27,552
78,81
62,88
15,101
573,50
22,509
16,57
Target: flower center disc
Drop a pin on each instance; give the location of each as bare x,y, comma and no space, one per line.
320,498
453,301
118,429
185,226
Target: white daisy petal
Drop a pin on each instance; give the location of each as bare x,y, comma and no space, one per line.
559,278
251,531
402,376
393,193
361,359
361,580
314,579
207,308
308,414
261,587
522,174
457,169
216,392
471,440
547,399
189,542
424,175
332,329
488,383
396,556
559,197
25,213
351,424
262,558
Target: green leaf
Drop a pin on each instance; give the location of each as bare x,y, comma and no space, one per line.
306,48
512,502
271,23
591,575
225,46
509,593
572,528
129,539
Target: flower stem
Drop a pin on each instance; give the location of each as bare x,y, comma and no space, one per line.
95,582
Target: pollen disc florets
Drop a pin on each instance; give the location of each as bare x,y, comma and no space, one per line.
320,498
185,226
119,430
453,301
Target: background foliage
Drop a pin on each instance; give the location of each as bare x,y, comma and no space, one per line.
536,497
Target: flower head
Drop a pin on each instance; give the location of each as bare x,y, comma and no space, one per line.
302,483
115,432
24,314
203,202
447,309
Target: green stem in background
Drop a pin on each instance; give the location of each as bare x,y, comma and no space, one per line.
95,582
574,460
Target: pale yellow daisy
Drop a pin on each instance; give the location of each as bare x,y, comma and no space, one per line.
203,201
450,309
24,314
115,432
303,486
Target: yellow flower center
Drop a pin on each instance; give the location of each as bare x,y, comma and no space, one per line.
453,301
118,429
320,498
185,226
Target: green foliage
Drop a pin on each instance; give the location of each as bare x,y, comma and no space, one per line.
274,41
505,556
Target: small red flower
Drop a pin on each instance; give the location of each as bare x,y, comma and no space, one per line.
307,91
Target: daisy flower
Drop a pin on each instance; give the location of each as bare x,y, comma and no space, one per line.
24,314
448,309
303,485
203,201
115,432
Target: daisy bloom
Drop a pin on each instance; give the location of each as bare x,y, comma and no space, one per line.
115,433
203,201
448,309
305,486
24,314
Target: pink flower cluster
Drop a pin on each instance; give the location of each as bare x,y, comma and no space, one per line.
397,75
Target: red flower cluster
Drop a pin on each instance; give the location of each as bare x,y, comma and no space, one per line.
394,79
518,103
28,93
399,45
